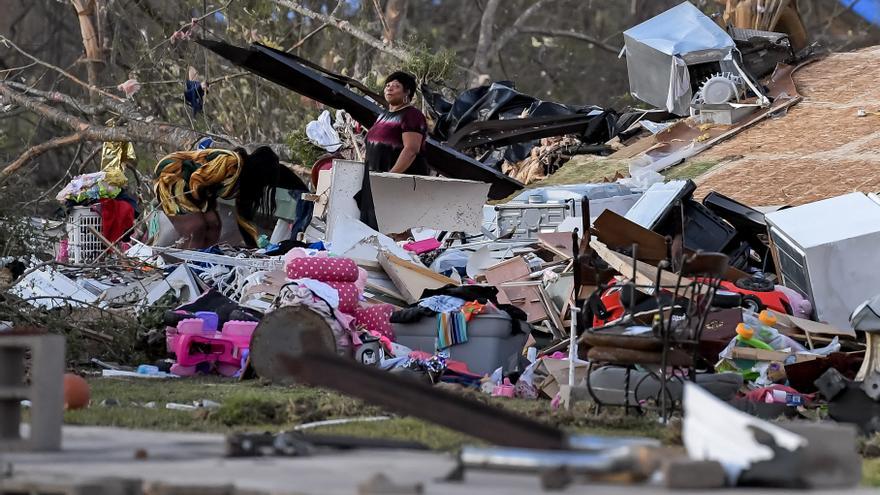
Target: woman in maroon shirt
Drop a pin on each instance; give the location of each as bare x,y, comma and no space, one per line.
396,141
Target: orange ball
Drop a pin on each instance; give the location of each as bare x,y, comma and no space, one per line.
76,392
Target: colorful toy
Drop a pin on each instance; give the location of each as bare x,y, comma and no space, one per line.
194,346
746,337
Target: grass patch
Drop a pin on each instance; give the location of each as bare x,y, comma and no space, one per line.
584,169
871,472
689,169
254,407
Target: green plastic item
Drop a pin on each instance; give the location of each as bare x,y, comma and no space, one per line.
753,342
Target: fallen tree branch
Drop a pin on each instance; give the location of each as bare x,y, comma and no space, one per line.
346,27
55,96
6,41
35,151
561,33
135,130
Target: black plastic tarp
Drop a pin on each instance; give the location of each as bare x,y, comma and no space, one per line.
313,82
501,101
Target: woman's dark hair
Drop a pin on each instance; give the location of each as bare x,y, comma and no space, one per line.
408,81
260,174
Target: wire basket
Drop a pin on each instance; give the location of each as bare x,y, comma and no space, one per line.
83,246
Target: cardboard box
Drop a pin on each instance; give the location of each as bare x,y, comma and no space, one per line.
556,372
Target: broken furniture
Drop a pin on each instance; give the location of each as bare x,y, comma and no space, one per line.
827,250
662,339
38,379
670,56
866,318
312,81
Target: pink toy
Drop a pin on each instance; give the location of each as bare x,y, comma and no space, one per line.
193,347
800,305
423,246
504,390
191,326
239,333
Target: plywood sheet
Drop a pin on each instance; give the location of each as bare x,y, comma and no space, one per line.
411,279
409,201
820,149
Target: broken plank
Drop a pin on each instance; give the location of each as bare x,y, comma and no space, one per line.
617,232
558,243
411,279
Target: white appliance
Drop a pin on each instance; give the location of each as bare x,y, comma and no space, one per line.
830,251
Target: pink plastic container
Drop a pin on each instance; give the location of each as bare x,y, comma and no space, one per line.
422,246
239,333
504,390
191,326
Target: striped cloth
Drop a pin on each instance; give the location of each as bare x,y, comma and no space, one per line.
451,329
192,181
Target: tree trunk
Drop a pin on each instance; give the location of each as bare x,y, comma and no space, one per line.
85,9
484,44
395,14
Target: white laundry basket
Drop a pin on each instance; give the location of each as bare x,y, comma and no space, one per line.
83,246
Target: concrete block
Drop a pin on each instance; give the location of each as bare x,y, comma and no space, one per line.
382,485
686,474
45,390
829,460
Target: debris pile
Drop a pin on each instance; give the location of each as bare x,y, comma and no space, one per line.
633,294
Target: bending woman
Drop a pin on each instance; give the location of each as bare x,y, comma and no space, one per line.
189,183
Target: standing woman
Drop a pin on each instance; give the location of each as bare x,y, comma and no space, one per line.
189,183
396,141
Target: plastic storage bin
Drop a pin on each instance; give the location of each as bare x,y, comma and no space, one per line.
83,246
491,341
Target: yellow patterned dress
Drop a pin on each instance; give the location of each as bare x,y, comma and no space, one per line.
192,181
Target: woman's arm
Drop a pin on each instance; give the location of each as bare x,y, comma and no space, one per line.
412,144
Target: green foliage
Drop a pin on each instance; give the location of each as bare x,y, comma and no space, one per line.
430,65
302,150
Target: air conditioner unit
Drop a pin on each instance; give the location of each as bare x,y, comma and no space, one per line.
830,251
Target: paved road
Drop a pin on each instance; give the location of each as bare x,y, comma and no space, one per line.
197,459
